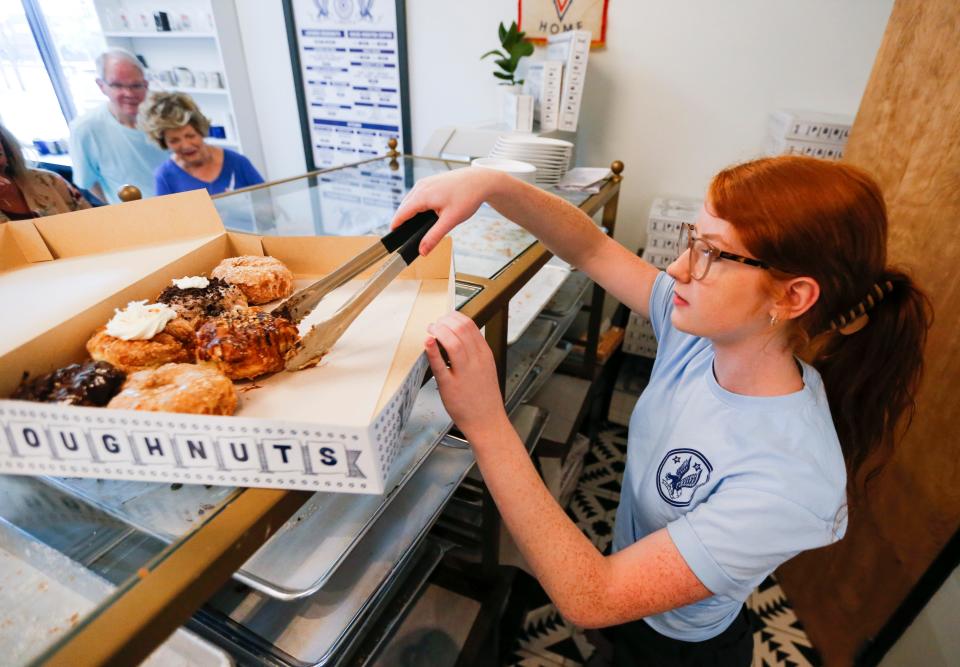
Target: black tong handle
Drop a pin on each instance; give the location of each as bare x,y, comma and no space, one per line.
413,228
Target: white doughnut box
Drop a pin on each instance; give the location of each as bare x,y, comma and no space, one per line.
335,427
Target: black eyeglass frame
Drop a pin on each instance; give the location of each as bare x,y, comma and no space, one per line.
714,252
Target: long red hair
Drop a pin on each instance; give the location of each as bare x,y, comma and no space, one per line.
828,220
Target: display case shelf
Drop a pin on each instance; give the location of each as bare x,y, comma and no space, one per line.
380,585
170,34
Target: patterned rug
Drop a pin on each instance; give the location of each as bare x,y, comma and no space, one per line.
547,640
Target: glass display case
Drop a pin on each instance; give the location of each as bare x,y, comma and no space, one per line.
122,565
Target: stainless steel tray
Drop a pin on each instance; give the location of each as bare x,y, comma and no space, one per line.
300,558
316,630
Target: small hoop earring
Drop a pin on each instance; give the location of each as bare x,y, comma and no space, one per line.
774,319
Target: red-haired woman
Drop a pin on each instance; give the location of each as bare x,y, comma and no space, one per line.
738,451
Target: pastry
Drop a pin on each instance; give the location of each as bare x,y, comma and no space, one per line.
190,388
143,336
246,343
197,298
262,279
90,383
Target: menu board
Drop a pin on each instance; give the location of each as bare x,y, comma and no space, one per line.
349,60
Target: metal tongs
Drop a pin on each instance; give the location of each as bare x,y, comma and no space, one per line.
403,243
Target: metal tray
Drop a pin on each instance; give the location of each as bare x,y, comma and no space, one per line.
300,558
317,630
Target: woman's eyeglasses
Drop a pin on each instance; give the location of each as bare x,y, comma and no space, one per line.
703,254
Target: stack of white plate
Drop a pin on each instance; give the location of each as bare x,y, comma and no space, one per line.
551,157
522,170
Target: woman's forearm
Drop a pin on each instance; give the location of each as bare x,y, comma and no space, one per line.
569,567
563,228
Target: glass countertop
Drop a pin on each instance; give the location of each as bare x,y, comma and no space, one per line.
59,561
360,199
63,537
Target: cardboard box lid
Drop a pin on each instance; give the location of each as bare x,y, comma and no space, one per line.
98,252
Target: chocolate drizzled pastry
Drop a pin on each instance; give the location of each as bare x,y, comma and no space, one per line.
246,342
196,304
90,383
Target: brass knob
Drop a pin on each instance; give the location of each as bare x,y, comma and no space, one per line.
129,193
617,168
392,145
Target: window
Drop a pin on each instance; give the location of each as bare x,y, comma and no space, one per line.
38,99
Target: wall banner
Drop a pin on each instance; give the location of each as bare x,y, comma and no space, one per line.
350,72
542,18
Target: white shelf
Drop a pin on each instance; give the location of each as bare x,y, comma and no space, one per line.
174,34
221,142
191,91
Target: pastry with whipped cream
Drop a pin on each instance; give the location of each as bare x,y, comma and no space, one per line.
196,298
189,388
91,383
143,335
262,279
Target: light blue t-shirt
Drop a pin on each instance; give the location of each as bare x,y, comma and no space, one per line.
104,151
742,483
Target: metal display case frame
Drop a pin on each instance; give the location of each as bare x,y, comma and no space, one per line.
186,573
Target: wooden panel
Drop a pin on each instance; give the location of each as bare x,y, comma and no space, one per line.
907,134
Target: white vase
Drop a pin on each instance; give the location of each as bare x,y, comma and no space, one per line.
516,109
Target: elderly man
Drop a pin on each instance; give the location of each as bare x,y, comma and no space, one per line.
108,150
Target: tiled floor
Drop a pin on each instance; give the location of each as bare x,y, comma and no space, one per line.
547,640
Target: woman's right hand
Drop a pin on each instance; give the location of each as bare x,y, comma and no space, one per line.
455,196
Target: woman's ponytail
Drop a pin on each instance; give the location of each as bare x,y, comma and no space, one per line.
872,375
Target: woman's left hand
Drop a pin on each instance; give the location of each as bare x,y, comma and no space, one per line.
468,385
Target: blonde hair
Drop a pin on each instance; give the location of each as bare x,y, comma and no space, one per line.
170,111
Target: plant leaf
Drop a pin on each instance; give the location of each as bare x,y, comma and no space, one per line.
525,49
512,33
494,52
502,32
506,77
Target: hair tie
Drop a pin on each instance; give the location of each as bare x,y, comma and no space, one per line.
853,320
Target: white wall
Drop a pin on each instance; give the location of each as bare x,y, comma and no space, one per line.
264,38
932,639
682,88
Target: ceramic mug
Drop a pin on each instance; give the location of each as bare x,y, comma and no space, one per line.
183,77
215,79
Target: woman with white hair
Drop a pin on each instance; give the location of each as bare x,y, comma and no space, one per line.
175,123
31,193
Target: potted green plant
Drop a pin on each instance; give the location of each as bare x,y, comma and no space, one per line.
513,48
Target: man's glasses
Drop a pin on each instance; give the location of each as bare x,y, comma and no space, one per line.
702,254
132,87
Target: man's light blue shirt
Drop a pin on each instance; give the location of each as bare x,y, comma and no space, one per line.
104,151
741,483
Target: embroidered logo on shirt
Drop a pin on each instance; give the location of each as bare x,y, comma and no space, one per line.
680,474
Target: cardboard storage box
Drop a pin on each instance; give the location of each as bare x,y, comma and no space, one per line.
335,427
